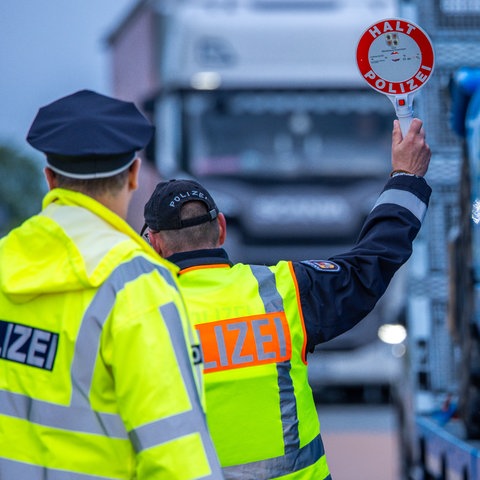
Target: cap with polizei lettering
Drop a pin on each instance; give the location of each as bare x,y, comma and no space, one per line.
89,135
162,211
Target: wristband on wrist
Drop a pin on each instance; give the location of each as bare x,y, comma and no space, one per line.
394,173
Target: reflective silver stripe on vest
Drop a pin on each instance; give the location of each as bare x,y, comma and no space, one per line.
300,458
78,416
404,199
279,466
10,469
58,416
273,302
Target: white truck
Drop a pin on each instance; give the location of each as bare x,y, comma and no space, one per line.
262,102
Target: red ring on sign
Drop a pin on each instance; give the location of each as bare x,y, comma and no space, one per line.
407,28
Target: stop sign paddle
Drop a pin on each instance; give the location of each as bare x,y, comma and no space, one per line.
396,58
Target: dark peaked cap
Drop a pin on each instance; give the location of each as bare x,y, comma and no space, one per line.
89,135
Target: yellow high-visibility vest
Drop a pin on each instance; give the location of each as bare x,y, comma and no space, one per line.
260,407
96,374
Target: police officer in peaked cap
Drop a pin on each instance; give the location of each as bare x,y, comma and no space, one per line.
98,378
87,135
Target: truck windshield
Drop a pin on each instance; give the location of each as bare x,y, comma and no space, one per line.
278,134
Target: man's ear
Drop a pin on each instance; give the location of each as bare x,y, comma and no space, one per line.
133,173
222,227
156,243
51,178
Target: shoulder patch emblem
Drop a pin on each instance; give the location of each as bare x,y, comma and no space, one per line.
323,265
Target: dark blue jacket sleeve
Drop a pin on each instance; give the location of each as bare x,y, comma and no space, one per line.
335,299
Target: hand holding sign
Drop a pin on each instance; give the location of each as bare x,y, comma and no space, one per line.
396,58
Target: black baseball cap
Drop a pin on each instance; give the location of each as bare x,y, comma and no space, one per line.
89,135
162,211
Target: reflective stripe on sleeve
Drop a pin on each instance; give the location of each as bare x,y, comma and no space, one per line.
87,345
404,199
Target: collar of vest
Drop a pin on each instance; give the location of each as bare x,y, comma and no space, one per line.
195,258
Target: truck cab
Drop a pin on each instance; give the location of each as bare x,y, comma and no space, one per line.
262,102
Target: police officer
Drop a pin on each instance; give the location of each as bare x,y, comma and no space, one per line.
257,323
96,376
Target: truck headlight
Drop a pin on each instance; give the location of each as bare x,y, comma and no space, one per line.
392,334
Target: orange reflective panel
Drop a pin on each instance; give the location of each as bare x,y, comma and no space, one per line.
245,341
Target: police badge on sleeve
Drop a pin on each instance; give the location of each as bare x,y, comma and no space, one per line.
322,265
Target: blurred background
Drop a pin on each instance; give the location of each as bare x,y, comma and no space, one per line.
47,50
262,101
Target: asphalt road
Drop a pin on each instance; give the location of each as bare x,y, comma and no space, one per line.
360,441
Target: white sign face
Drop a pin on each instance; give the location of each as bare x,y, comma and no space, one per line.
384,60
395,56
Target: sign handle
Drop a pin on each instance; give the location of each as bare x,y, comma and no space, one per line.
404,109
